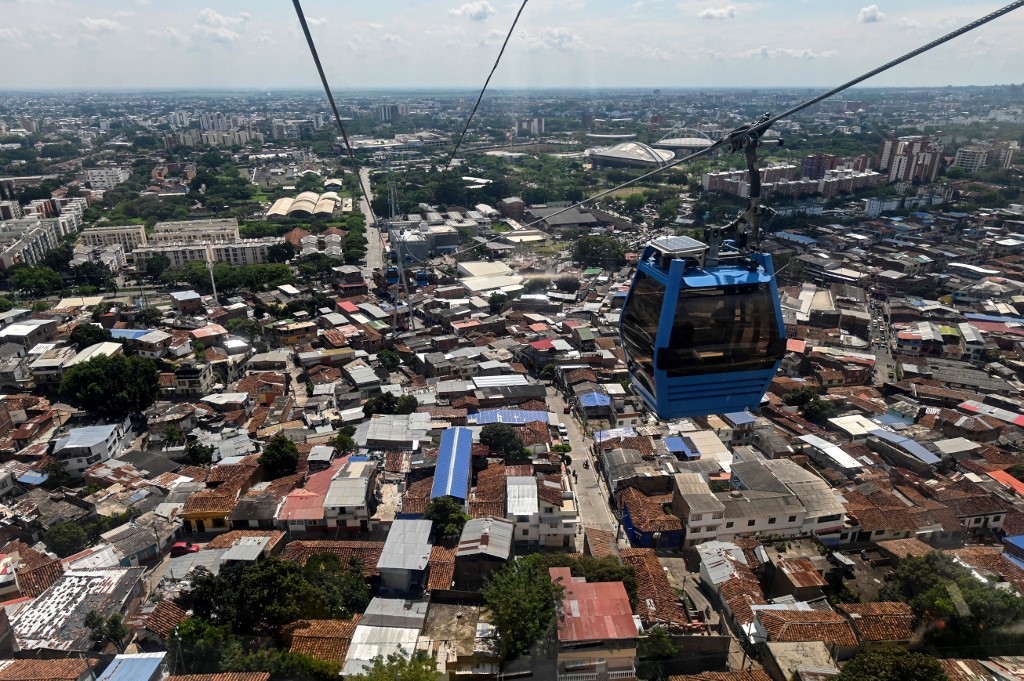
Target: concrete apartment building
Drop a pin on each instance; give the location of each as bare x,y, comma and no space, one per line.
237,252
207,231
26,241
106,178
128,236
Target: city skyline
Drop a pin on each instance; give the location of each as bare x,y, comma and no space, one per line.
396,45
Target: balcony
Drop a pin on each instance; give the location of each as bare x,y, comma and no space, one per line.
578,676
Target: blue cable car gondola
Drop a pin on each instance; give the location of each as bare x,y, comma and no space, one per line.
422,278
391,276
702,336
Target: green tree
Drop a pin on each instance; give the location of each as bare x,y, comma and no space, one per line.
198,454
84,335
343,444
892,664
548,373
282,252
57,474
496,302
112,386
447,515
36,280
279,457
600,251
342,586
148,316
406,404
800,397
819,410
201,646
657,645
535,285
157,265
502,438
66,539
419,667
389,359
111,629
5,304
567,284
521,599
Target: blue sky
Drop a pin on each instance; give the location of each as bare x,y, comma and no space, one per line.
425,44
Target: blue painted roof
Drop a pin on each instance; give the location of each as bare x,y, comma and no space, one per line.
991,318
34,478
358,458
677,445
888,419
739,418
451,477
130,334
1017,541
595,400
141,667
1015,560
517,416
907,445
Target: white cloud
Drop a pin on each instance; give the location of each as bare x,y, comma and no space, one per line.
804,54
211,17
477,10
718,13
870,15
316,21
908,23
556,38
101,25
10,33
217,34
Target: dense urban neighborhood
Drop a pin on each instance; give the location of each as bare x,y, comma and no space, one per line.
272,410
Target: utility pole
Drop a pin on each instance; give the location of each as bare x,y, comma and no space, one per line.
213,283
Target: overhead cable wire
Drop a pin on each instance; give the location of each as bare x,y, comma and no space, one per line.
480,97
334,109
767,122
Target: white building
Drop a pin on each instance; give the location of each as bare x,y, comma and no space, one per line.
106,178
348,504
700,510
544,511
236,252
83,447
209,231
129,237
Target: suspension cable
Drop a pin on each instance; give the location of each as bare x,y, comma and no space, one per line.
494,68
761,126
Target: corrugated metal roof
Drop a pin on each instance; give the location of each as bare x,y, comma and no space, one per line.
497,381
595,400
907,445
451,476
407,546
521,495
140,667
515,416
489,536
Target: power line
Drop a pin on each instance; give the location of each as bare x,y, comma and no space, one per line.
484,88
767,121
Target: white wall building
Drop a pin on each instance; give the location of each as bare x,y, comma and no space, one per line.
106,178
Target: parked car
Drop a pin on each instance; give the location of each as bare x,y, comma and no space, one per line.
184,547
562,430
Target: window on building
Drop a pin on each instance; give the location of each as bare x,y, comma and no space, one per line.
695,530
771,521
718,515
728,525
750,523
526,532
792,518
696,517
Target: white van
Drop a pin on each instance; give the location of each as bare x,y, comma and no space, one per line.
562,430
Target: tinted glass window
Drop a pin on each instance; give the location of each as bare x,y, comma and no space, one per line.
640,319
718,330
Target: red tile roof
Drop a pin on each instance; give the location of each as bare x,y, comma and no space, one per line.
366,551
656,599
442,568
647,513
807,625
326,640
46,670
164,617
877,622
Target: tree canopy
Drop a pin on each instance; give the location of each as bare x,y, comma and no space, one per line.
389,359
964,613
419,667
447,515
387,403
112,386
502,438
599,251
279,457
84,335
892,664
66,539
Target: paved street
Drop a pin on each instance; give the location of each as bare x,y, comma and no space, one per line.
590,492
374,249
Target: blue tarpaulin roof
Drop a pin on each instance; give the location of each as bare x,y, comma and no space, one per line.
451,476
130,334
139,667
33,478
677,445
907,445
518,416
739,418
595,400
1017,541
